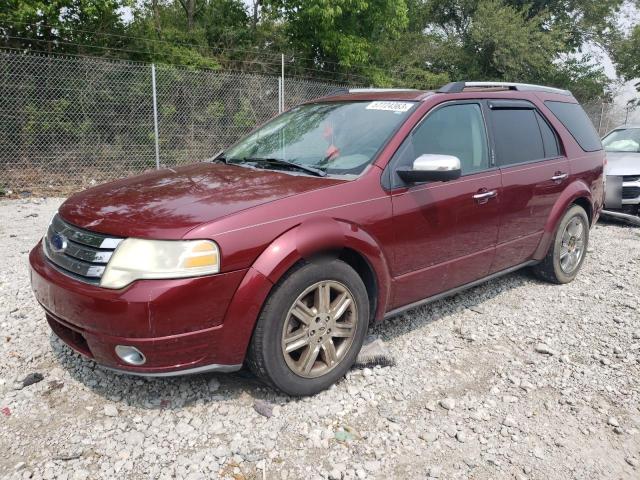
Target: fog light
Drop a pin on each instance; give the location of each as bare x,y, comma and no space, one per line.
130,355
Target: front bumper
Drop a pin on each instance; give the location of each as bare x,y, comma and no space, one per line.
631,192
181,326
622,190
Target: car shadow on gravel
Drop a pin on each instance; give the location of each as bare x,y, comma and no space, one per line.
182,391
159,393
471,299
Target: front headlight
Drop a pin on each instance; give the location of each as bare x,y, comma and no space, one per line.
137,259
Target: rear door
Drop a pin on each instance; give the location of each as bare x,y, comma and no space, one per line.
534,174
445,232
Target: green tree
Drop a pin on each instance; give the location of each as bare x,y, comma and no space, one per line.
69,26
581,20
497,40
626,54
417,43
344,32
501,43
197,34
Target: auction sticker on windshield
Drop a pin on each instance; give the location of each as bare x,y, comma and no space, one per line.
390,106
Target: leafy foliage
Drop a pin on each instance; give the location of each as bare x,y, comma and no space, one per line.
341,31
626,53
61,26
415,43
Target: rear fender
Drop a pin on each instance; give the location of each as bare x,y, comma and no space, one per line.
577,189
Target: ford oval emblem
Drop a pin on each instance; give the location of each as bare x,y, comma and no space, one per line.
58,243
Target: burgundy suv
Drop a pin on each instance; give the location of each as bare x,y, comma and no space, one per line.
283,250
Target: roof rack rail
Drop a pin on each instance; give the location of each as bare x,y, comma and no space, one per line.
338,91
459,87
345,90
376,90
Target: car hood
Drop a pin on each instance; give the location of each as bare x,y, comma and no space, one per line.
166,204
623,163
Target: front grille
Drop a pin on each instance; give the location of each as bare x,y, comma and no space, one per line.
629,193
631,178
79,253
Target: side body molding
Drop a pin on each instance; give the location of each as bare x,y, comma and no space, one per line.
577,189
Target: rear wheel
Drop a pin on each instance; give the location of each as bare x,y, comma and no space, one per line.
311,328
568,250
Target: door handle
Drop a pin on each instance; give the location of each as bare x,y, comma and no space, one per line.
560,176
483,196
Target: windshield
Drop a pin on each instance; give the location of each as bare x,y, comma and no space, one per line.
623,140
339,138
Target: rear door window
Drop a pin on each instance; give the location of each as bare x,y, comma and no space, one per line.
572,116
517,136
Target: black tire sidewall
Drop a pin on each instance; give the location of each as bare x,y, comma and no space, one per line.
274,315
574,211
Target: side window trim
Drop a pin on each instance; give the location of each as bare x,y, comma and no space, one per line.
540,117
392,164
486,114
529,162
511,105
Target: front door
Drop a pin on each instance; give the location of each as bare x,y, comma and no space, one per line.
534,174
445,232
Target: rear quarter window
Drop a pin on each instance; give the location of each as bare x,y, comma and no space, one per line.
573,117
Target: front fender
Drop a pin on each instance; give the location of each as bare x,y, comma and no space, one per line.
301,242
242,314
321,235
577,189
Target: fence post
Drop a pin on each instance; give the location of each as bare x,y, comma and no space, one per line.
279,94
155,114
282,76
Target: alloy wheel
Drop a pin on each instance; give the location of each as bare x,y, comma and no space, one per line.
319,329
572,247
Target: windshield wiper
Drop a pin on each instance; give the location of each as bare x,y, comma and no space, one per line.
286,163
218,157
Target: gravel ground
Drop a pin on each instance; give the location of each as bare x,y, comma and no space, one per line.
512,379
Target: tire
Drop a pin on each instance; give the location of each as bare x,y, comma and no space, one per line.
553,268
277,325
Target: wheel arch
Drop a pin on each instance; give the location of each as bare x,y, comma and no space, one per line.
585,203
577,193
305,242
330,237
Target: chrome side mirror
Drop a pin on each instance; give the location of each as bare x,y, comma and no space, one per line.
432,167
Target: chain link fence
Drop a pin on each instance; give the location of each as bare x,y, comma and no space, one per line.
607,115
70,122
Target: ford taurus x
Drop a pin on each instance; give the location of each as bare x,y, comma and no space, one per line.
280,252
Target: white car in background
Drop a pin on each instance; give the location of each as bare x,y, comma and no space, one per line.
622,199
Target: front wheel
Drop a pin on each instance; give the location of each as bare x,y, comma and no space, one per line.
311,328
568,250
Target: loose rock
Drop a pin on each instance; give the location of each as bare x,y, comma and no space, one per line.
448,403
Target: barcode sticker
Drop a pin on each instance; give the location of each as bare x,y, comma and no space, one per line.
390,106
